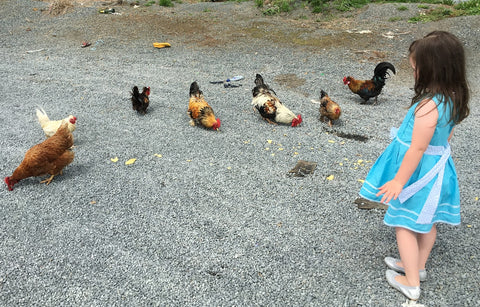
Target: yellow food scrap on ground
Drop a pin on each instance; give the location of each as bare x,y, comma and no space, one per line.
269,141
161,45
130,161
330,177
295,153
280,148
114,159
476,198
469,226
229,167
331,141
158,155
361,180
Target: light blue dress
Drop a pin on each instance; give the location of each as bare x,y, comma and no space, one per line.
431,195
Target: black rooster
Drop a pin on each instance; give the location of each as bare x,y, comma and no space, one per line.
140,101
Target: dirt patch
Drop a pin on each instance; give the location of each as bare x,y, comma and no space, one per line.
290,80
210,24
366,34
59,7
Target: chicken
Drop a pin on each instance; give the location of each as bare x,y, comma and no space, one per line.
50,126
140,101
367,89
48,157
270,107
200,112
328,108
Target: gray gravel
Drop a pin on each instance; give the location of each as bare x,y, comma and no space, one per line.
215,220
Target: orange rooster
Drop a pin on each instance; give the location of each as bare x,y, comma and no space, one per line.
270,107
367,89
200,112
50,126
140,101
329,108
48,157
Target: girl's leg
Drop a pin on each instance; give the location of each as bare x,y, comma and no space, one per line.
408,248
425,245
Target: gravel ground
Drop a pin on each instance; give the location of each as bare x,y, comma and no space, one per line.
212,218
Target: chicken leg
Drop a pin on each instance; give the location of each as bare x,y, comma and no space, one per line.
48,180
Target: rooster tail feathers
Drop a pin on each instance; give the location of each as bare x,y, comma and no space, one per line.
135,91
381,70
323,94
195,89
42,116
259,80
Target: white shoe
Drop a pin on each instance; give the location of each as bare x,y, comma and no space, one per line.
392,264
412,293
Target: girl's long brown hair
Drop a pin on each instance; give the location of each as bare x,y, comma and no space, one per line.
439,60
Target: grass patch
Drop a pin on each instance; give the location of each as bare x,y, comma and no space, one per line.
347,5
471,7
277,6
166,3
433,15
434,9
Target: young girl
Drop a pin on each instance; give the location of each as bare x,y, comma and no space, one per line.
415,174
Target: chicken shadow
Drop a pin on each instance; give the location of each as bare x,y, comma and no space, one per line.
346,135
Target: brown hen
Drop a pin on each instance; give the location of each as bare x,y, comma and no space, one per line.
48,157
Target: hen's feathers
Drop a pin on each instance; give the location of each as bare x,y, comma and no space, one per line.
48,157
328,108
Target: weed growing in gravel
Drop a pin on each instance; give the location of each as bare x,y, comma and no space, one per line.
394,19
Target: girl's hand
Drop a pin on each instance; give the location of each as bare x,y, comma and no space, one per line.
390,190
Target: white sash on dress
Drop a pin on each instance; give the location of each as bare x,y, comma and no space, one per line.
431,204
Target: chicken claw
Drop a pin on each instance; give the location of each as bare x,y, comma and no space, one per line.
48,180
